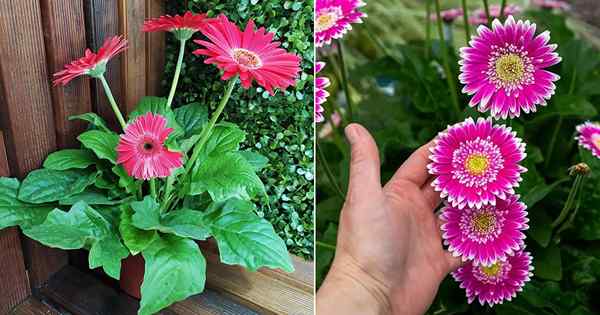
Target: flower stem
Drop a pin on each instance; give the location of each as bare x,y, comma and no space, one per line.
449,75
466,21
569,203
569,222
428,28
177,72
328,172
486,7
112,101
345,82
502,7
153,188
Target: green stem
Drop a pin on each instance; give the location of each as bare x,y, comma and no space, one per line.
502,7
325,245
328,172
427,28
112,101
449,75
569,203
486,7
466,21
153,188
569,222
345,82
177,72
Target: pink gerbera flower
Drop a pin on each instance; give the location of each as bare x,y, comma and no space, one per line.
250,54
552,4
182,26
321,83
589,137
448,16
487,234
479,17
498,282
476,162
334,18
93,64
141,149
504,68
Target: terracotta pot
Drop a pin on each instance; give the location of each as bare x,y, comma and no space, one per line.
132,275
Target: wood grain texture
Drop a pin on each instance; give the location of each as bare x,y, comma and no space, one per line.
65,41
102,21
83,294
33,306
4,169
26,114
155,50
133,67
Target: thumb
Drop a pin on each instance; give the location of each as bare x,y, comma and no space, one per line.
365,182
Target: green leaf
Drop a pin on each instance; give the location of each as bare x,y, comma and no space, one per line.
246,239
226,176
157,105
104,144
135,239
539,192
95,120
184,223
68,159
548,263
567,106
540,227
225,138
191,118
257,160
45,185
82,226
175,269
91,197
13,211
126,181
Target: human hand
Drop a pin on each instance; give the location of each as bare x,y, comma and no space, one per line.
389,257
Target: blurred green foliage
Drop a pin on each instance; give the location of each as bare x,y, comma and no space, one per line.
404,101
278,127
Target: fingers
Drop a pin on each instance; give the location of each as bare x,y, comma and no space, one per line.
452,262
431,196
415,168
365,180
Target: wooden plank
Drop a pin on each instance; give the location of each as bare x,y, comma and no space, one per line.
102,21
131,15
83,294
26,111
267,291
33,306
65,42
155,50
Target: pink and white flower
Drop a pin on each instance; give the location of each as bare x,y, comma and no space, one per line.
474,163
448,16
496,283
321,83
479,17
589,137
488,234
552,4
504,68
142,150
334,18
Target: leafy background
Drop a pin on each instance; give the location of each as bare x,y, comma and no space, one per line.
279,127
403,99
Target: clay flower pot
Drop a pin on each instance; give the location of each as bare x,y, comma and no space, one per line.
132,275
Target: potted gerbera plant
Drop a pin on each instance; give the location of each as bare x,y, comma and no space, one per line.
168,178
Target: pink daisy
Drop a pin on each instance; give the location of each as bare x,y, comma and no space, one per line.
552,4
498,282
479,17
589,137
504,68
93,64
321,83
250,54
334,18
448,16
141,149
476,162
182,26
487,234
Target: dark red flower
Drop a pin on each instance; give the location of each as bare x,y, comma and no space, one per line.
182,26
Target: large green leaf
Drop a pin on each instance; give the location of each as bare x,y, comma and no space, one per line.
191,118
126,181
80,227
246,239
157,105
91,197
95,120
68,159
13,211
104,144
226,176
257,160
548,263
135,239
225,137
175,270
184,222
539,191
46,185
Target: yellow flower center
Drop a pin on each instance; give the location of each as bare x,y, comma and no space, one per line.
477,164
246,58
510,68
597,142
493,270
325,21
484,222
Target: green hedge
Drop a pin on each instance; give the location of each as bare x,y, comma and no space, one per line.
279,127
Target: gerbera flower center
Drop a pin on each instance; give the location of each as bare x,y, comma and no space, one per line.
493,270
327,18
510,68
483,222
482,225
596,140
492,274
149,146
246,58
477,164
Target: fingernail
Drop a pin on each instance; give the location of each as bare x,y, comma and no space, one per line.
351,132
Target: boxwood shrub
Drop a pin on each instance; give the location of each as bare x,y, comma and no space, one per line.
279,127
